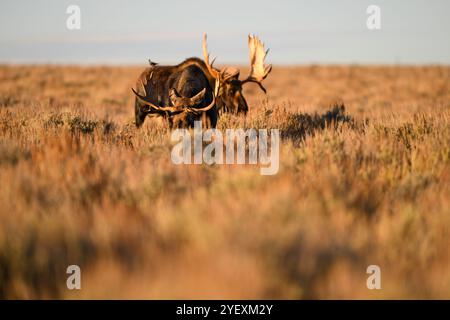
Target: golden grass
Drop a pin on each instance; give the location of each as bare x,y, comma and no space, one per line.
368,185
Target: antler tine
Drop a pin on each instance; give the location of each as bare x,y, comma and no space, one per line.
199,110
211,69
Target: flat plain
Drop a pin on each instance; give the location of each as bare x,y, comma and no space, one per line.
364,180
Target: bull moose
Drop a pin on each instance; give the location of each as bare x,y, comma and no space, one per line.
195,89
180,93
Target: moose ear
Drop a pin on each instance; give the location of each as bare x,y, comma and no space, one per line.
175,97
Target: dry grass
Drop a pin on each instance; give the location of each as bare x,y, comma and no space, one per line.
360,186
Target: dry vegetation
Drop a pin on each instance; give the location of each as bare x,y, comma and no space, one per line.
360,186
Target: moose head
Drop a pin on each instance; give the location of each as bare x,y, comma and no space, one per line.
229,95
181,108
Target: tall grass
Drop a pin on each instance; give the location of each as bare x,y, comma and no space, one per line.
361,185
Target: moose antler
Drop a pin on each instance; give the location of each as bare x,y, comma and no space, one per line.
224,74
147,102
179,107
188,104
257,54
199,110
213,71
178,100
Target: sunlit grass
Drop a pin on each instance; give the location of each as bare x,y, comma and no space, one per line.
368,184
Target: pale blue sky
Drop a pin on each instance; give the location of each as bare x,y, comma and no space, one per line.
310,31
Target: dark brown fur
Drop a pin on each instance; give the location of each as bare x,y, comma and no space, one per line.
187,78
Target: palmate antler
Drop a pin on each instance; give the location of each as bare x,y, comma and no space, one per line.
257,54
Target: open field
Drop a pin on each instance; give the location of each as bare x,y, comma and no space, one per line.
366,185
